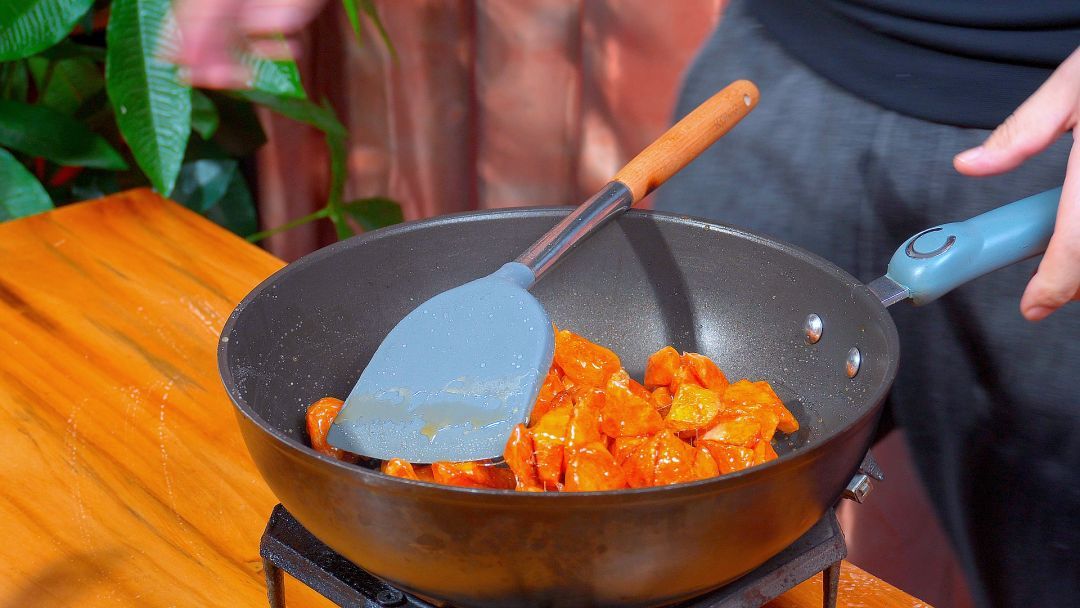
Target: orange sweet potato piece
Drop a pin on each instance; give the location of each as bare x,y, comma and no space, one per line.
764,452
584,426
745,393
584,362
661,398
472,475
729,458
624,413
674,460
638,389
551,387
521,460
735,429
704,464
661,367
320,415
590,468
693,409
640,465
622,447
423,472
549,441
396,467
705,371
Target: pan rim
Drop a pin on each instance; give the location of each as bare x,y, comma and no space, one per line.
284,441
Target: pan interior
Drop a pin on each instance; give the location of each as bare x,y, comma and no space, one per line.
646,281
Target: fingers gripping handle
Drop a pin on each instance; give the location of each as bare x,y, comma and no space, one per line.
940,259
688,138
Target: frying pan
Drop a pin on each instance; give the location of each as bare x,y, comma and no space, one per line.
647,280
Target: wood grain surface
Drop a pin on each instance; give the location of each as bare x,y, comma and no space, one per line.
124,480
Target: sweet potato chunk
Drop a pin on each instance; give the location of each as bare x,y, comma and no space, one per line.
661,368
622,447
705,371
590,468
639,390
396,467
764,452
661,398
624,413
729,458
320,415
551,387
704,464
549,441
584,426
735,429
640,464
472,475
745,392
584,362
521,460
674,460
693,409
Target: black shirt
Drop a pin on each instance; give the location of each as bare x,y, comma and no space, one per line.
967,63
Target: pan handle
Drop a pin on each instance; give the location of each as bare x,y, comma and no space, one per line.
940,259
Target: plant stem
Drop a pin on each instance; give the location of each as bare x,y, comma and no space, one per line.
300,221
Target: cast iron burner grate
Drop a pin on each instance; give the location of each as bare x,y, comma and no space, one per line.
288,547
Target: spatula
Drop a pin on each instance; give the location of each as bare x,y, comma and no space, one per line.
451,380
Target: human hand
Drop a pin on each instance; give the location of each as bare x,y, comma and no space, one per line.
1051,111
213,31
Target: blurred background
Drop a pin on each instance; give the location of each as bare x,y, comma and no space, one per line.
488,104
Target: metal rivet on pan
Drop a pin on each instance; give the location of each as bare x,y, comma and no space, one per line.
390,597
854,360
812,327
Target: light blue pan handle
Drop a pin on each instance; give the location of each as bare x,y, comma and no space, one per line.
940,259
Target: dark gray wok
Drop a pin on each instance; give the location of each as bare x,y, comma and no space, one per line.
645,281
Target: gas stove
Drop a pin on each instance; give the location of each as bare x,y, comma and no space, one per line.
288,547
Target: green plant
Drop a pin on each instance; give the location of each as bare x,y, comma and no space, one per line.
88,107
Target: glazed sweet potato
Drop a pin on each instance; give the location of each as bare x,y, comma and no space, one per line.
595,428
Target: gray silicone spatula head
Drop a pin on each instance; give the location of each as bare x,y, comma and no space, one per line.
451,380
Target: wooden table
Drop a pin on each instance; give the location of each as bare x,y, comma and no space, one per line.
124,480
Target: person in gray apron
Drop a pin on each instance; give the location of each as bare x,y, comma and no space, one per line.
850,151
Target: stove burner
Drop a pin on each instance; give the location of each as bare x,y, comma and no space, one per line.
287,547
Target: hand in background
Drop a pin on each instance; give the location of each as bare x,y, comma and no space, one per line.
213,31
1051,111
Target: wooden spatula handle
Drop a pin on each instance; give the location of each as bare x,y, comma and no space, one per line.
688,138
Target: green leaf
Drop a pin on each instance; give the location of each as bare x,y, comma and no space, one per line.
369,9
20,192
66,49
41,131
353,8
321,117
67,84
29,26
353,14
204,116
202,183
239,132
280,77
374,213
153,109
91,184
14,81
236,209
